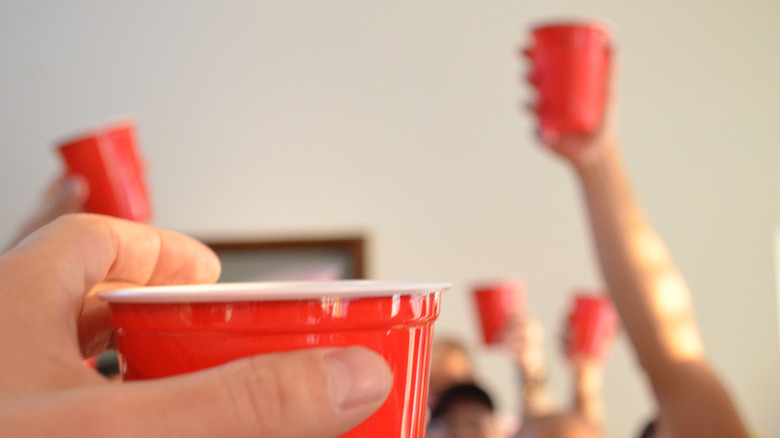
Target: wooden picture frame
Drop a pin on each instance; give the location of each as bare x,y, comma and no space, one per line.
298,258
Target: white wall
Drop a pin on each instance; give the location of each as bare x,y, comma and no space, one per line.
401,119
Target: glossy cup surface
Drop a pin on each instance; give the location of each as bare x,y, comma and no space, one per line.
162,339
496,303
594,322
569,69
110,161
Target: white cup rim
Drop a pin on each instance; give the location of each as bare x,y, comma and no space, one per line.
606,25
270,291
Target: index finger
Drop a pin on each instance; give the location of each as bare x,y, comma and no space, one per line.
52,269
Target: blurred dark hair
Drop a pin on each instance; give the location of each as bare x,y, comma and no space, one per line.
649,430
461,393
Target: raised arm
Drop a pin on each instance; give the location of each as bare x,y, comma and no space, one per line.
588,379
649,292
524,342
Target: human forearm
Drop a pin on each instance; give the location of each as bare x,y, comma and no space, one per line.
649,293
655,306
536,399
588,399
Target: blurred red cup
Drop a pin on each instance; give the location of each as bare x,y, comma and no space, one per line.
110,161
165,331
593,322
497,302
91,362
569,67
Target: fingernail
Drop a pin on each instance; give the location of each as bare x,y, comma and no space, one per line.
356,376
70,184
549,136
74,184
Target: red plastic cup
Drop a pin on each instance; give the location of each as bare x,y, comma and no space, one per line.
165,331
593,324
569,67
497,302
110,161
91,362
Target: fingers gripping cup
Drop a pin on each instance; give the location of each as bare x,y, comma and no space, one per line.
593,324
497,302
569,68
110,161
165,331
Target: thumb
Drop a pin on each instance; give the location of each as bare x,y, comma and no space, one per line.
315,393
309,393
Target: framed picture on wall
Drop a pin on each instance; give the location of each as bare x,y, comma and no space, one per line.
284,259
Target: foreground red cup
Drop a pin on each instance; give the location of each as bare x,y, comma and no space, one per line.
593,324
109,159
165,331
497,302
569,68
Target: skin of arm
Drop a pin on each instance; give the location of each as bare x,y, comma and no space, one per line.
524,342
650,294
588,400
587,370
655,305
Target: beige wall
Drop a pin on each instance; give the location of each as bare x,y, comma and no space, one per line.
401,119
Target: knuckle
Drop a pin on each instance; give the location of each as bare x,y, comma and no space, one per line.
254,395
267,397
